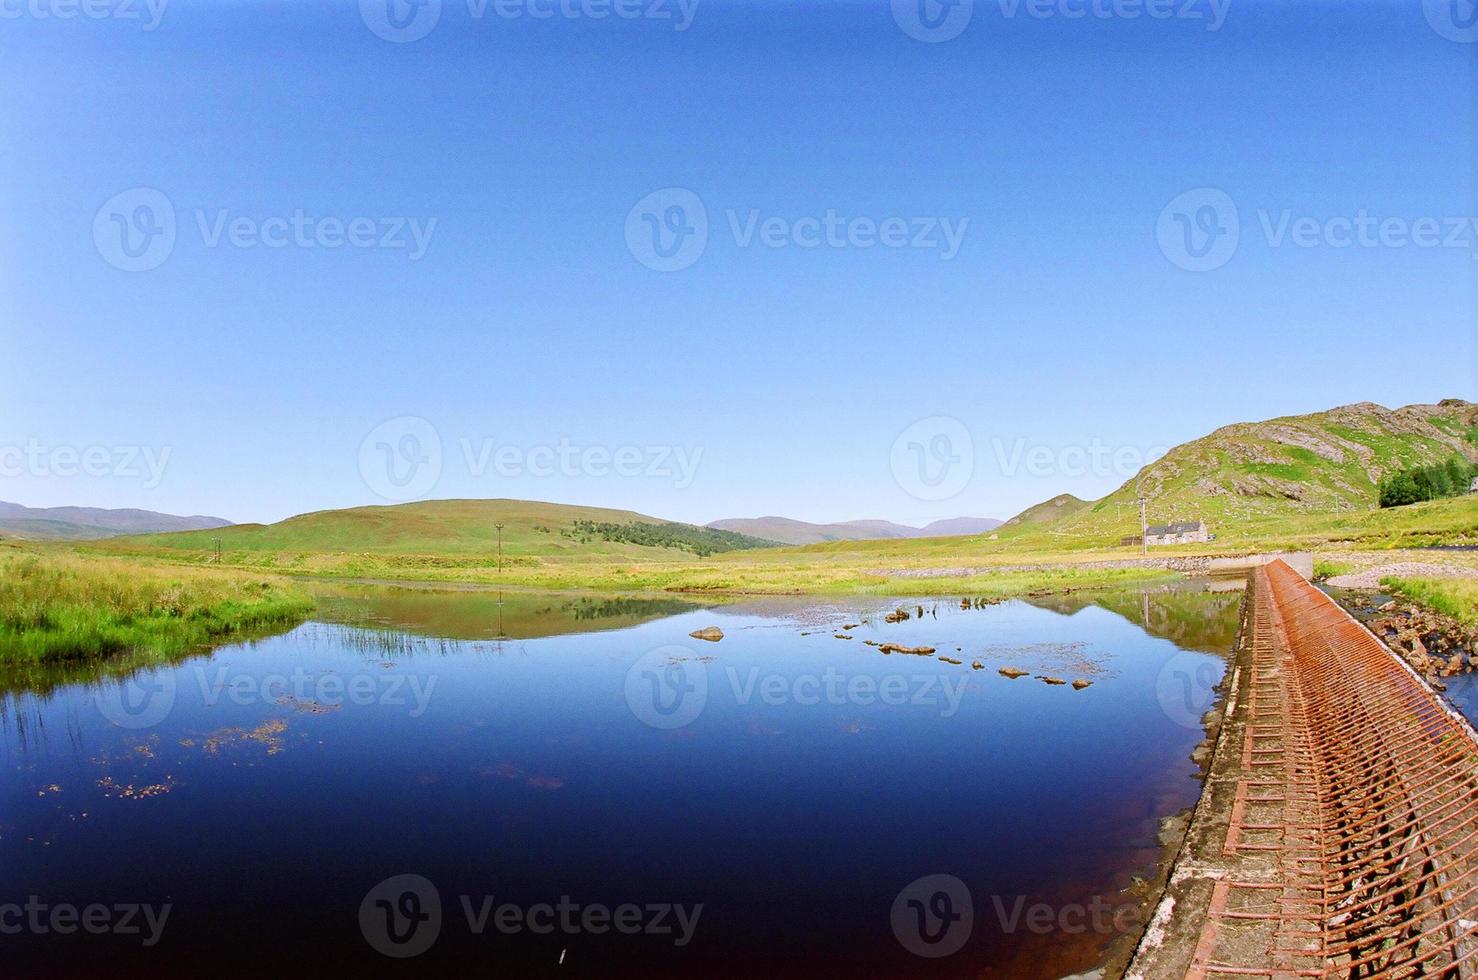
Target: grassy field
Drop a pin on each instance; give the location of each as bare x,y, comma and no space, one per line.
56,606
452,541
1457,598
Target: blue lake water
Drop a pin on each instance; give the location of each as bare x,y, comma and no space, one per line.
550,785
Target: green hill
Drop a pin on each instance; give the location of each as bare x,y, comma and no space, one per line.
1047,512
1245,478
461,529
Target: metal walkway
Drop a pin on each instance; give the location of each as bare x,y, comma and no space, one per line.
1353,833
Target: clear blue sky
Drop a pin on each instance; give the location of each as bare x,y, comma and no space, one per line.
1060,322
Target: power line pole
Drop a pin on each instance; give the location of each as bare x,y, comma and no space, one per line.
500,549
1144,524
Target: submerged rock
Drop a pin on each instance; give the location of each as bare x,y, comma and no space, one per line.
950,660
1053,680
1080,683
711,633
1013,672
976,665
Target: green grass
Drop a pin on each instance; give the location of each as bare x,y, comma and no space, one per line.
55,606
1457,598
1326,569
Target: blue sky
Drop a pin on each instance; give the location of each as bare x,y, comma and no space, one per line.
1063,320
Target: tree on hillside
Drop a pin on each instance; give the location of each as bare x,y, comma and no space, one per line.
1399,489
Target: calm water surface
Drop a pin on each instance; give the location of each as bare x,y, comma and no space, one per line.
764,805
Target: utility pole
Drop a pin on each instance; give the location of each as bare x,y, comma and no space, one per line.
1144,525
218,551
499,526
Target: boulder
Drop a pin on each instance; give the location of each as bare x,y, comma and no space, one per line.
710,633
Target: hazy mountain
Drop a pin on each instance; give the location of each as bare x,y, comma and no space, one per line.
790,531
80,523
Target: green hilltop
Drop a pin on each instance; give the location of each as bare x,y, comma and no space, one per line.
1051,511
464,528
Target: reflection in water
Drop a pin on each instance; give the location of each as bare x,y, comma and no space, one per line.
265,788
478,614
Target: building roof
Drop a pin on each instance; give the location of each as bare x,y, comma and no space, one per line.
1185,527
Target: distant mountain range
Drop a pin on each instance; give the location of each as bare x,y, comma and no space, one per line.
84,523
789,531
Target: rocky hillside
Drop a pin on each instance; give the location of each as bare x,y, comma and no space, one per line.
1324,463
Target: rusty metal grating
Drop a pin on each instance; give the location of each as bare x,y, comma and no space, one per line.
1355,821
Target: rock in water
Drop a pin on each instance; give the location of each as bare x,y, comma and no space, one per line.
711,633
976,665
1013,672
1053,680
1080,683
